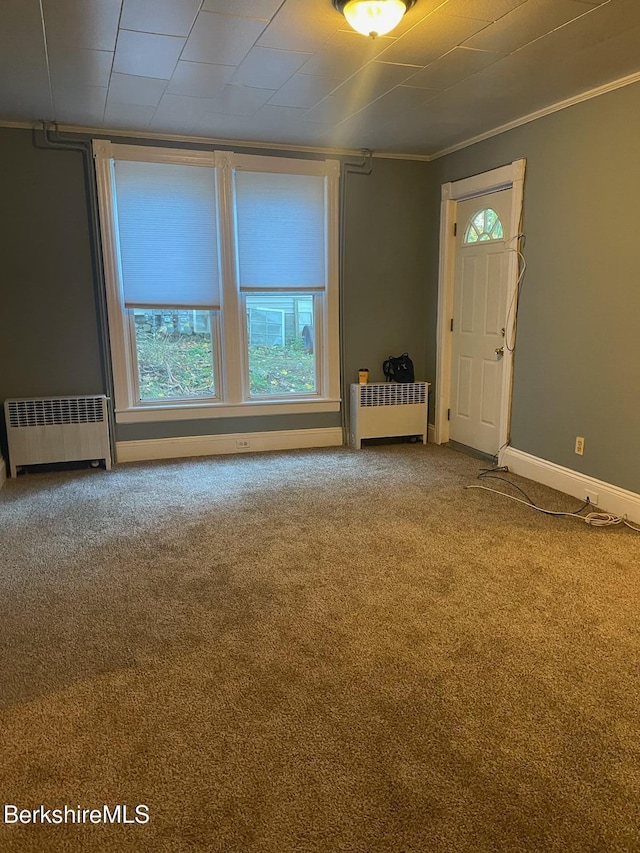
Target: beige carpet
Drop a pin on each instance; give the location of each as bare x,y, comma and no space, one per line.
316,651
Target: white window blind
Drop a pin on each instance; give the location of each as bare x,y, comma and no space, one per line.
280,221
167,226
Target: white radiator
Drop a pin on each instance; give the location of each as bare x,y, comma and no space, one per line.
388,409
57,429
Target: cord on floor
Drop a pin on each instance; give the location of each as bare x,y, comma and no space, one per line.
594,519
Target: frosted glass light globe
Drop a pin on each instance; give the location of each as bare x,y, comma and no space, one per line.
374,17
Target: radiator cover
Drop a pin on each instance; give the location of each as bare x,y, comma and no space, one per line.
57,429
388,409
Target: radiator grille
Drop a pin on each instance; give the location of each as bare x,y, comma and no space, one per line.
393,393
56,411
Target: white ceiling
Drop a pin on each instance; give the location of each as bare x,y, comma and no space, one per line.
291,72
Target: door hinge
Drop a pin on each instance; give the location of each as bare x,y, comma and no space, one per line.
448,414
455,229
452,324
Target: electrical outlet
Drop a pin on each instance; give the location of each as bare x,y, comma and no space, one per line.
243,443
592,497
579,445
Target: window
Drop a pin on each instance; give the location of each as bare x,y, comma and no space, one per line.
221,282
484,225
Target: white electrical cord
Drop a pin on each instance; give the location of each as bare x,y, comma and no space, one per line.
511,323
595,519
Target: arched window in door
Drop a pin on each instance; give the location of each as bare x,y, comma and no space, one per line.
484,225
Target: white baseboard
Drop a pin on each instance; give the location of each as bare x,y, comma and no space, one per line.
431,433
213,445
3,472
610,498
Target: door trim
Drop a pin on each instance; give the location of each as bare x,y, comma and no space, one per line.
506,177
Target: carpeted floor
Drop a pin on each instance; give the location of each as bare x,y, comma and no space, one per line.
316,652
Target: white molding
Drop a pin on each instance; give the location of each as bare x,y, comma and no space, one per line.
611,498
213,445
3,472
510,176
279,165
191,412
486,182
102,148
149,154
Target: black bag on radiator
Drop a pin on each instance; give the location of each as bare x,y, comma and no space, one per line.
399,369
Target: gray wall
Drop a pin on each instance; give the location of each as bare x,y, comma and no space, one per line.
577,362
49,337
48,326
386,266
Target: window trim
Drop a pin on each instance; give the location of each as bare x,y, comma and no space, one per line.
233,398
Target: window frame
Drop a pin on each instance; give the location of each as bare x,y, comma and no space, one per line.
230,351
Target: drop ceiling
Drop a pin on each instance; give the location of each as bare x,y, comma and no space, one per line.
292,73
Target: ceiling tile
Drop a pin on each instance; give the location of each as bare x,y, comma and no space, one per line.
343,54
20,34
365,87
79,23
177,113
147,54
144,91
302,25
240,100
589,29
93,67
264,9
222,39
526,23
431,38
277,118
416,13
266,68
330,111
303,90
199,79
81,105
370,83
454,66
127,116
166,17
396,103
554,54
24,83
482,10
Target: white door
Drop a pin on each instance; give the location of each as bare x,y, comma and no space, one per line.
479,318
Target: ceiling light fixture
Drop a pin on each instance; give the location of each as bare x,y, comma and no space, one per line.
373,17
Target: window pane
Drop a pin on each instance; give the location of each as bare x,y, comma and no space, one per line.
280,345
485,225
174,349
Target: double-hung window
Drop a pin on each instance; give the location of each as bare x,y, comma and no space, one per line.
222,282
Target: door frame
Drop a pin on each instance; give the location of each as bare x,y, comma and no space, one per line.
506,177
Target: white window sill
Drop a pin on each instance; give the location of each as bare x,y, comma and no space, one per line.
196,411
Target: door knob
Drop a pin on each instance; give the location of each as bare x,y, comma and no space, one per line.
499,351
